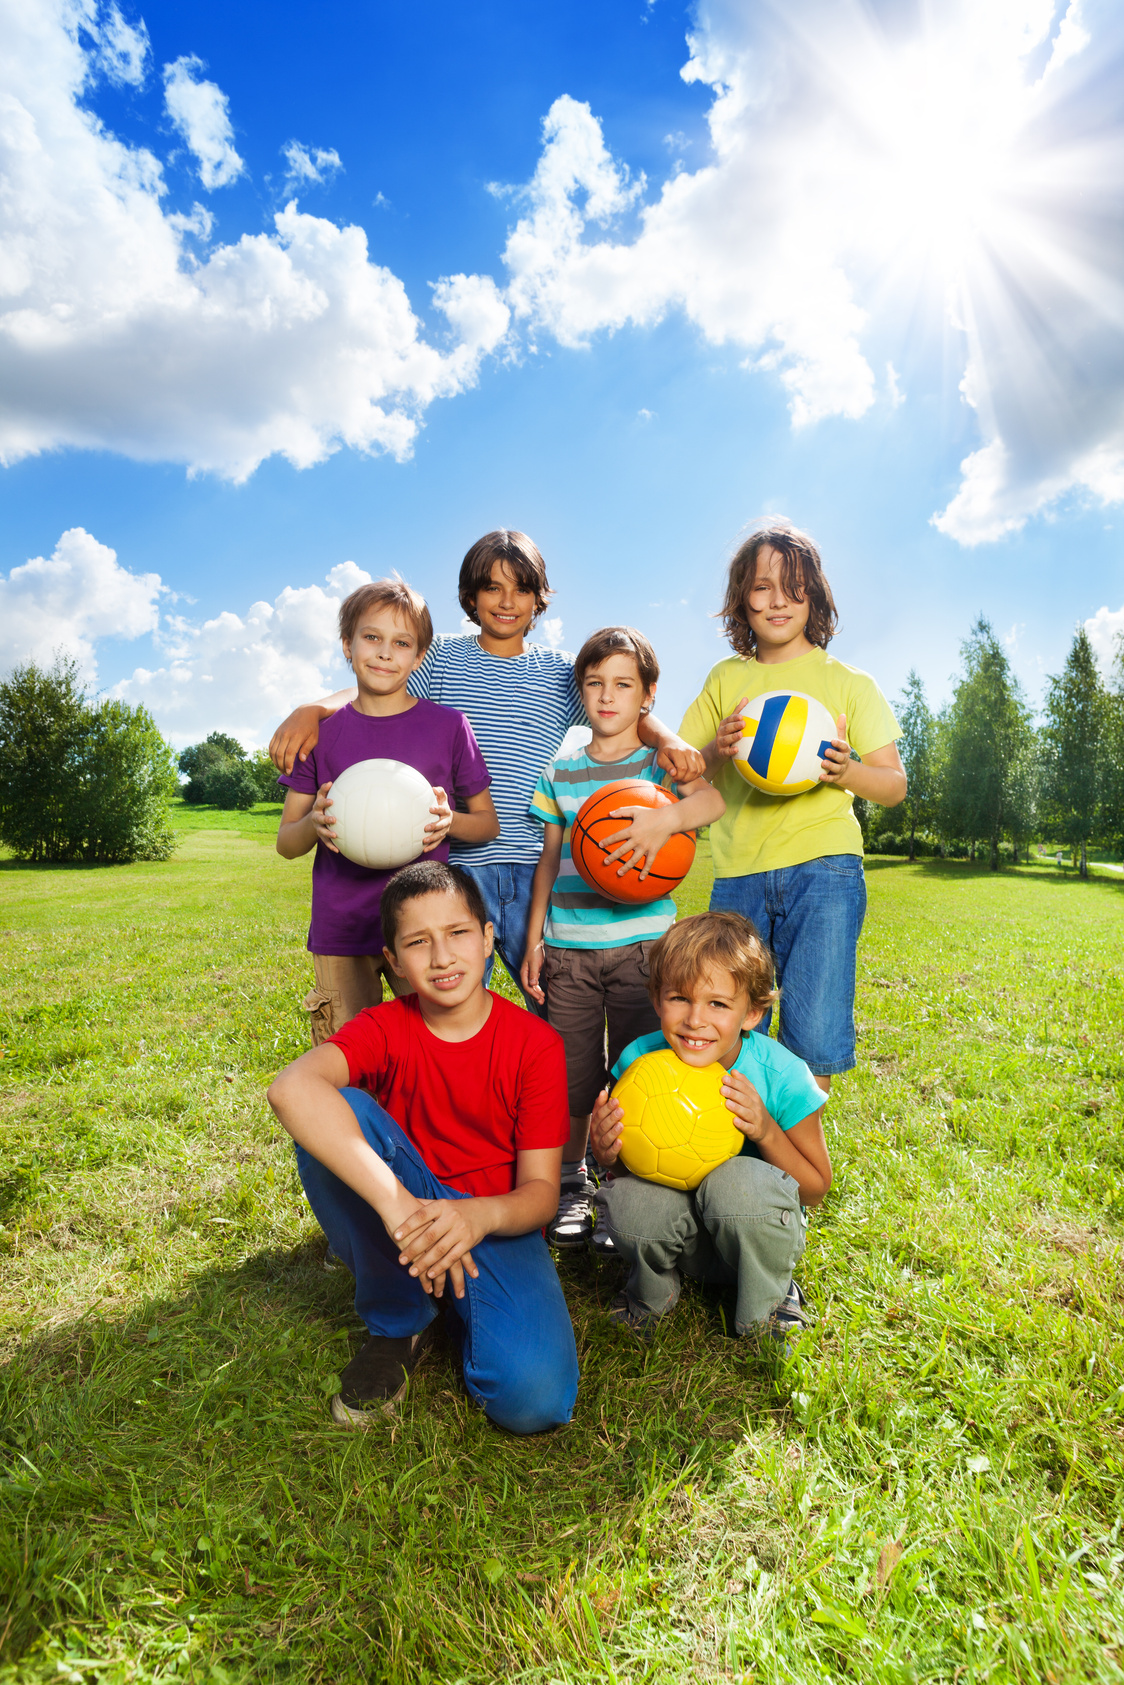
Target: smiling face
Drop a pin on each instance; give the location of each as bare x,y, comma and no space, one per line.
504,608
383,651
777,619
614,695
440,949
703,1021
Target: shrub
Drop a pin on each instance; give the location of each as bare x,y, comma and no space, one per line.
230,784
80,781
219,773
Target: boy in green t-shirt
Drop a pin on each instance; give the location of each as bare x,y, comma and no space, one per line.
793,865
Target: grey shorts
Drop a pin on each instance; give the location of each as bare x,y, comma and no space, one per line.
597,1000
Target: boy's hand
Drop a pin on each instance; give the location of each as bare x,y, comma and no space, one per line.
295,737
748,1109
323,822
531,970
438,828
606,1125
837,759
435,1242
731,732
647,830
683,762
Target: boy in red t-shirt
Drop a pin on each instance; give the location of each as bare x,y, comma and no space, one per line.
447,1168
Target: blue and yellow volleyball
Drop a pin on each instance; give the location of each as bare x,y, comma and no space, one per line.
785,739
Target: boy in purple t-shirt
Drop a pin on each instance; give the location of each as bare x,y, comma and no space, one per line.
386,630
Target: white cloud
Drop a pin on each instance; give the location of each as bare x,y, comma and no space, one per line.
65,602
876,174
123,48
242,673
550,631
1105,629
115,336
200,112
309,165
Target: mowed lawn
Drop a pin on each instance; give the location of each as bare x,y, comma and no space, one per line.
929,1490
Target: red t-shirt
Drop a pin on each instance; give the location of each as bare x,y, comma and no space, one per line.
467,1106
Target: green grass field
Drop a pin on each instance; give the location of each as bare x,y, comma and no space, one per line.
929,1490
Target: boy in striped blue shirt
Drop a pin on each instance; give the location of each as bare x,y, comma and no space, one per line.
592,953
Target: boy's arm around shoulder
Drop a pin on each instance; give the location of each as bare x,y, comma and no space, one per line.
297,736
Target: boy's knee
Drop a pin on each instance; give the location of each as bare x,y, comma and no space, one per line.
748,1190
639,1211
532,1396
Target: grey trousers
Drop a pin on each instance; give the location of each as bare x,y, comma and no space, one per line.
742,1225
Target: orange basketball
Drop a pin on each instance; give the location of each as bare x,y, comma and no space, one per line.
594,823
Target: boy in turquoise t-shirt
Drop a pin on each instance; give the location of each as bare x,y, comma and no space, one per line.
591,953
711,982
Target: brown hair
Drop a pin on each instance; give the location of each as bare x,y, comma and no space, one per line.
801,576
697,944
388,593
520,555
618,640
427,877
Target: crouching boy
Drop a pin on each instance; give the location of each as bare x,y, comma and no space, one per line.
446,1170
711,980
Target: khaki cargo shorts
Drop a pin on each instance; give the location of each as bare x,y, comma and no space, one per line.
347,984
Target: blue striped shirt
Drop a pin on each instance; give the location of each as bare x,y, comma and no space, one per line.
579,917
520,707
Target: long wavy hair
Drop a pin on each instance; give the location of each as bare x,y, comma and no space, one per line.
802,577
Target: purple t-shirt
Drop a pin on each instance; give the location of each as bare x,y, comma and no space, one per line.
439,743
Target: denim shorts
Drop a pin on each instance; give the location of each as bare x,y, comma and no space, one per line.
810,917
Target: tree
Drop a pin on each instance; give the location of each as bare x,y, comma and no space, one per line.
1073,737
220,773
42,721
1112,755
983,736
80,781
917,746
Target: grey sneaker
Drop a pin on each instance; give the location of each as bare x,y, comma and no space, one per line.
573,1224
377,1377
790,1319
627,1315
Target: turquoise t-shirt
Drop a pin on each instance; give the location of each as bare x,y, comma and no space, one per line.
789,1092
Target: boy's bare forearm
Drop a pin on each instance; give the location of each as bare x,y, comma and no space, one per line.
474,827
775,1147
526,1208
884,785
296,837
320,1120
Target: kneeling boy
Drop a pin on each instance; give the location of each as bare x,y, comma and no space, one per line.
711,982
447,1169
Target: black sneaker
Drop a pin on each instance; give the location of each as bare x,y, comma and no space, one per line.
627,1315
377,1377
790,1319
573,1223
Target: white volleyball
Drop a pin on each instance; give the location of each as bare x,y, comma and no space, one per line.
381,809
786,738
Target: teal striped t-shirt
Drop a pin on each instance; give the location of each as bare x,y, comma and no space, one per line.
579,917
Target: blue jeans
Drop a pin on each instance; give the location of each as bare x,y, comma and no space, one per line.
507,900
810,917
515,1334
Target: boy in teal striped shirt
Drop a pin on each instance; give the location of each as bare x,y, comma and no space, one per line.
589,952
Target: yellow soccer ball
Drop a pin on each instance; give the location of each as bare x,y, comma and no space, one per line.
676,1124
786,736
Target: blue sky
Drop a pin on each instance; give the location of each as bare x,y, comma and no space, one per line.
682,304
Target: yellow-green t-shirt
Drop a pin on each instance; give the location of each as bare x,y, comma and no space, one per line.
761,833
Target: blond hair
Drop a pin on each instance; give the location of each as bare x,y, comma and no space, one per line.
707,941
393,594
